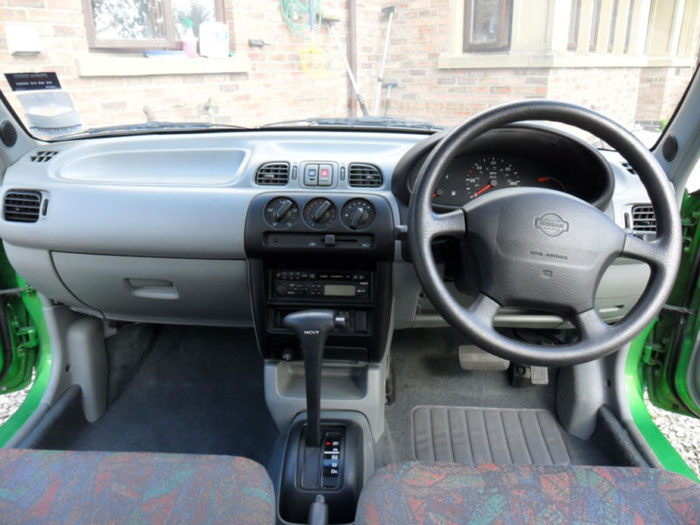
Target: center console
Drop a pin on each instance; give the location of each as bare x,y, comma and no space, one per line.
321,286
307,251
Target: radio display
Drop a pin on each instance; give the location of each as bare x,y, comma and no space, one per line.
344,290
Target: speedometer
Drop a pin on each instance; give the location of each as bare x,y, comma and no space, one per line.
490,173
467,180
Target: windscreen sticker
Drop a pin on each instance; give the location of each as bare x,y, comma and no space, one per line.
32,81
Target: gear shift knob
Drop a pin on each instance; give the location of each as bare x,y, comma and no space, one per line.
312,327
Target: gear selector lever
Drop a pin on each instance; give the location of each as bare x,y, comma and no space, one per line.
312,327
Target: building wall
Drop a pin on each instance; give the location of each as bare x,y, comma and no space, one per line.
276,86
613,92
275,72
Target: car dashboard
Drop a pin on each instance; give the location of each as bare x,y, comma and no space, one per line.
240,228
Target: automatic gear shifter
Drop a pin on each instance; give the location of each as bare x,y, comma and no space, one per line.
329,459
311,327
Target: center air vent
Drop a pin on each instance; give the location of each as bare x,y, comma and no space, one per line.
22,205
643,219
43,156
272,174
364,176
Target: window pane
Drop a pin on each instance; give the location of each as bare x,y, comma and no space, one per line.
489,23
595,23
628,30
611,30
197,11
128,19
573,24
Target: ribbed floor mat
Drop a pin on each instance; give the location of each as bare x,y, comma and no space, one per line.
492,435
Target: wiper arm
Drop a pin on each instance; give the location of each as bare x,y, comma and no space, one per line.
147,126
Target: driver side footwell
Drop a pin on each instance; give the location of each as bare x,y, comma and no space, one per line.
428,381
475,435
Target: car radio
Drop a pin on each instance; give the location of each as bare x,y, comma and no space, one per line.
347,285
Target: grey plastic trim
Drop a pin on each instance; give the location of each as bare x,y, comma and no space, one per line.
165,290
580,394
87,365
618,401
36,267
344,386
59,322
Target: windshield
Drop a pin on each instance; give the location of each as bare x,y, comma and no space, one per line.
101,67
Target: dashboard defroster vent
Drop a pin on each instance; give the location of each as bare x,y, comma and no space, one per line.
43,156
643,219
273,174
364,176
22,205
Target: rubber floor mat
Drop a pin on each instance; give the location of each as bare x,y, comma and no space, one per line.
488,435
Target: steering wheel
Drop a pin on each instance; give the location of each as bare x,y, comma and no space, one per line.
543,249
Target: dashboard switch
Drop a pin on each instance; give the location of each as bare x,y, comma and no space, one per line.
325,175
311,175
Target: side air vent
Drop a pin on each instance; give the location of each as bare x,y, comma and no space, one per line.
272,174
643,219
629,168
364,176
43,156
22,205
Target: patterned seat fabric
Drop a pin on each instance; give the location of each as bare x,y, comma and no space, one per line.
450,493
42,486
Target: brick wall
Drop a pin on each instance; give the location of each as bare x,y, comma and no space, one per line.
278,88
275,88
612,92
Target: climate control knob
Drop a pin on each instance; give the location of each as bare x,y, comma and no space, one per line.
357,214
281,212
320,213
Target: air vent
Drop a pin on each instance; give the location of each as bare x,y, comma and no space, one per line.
629,168
364,176
272,174
43,156
22,205
643,219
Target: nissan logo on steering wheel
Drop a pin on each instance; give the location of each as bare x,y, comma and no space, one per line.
551,224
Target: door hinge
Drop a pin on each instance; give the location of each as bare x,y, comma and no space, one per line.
24,332
26,338
653,354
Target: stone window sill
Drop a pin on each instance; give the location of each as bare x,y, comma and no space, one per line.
103,65
563,60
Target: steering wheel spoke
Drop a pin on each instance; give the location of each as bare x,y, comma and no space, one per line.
450,224
648,252
484,309
591,325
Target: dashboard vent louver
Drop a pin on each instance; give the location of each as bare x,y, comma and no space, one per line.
43,156
364,176
273,174
643,219
629,168
22,205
